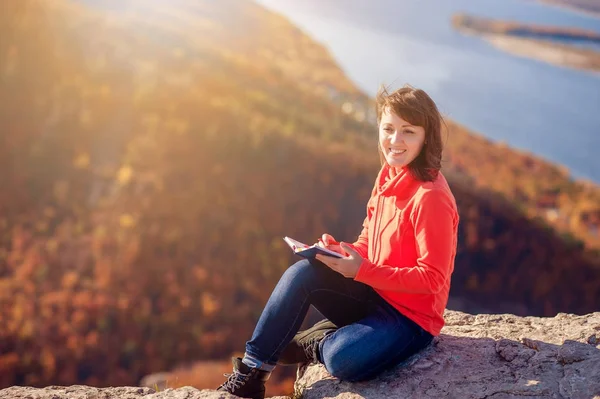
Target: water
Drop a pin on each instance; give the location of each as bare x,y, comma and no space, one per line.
551,111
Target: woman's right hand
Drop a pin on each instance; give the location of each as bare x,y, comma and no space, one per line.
327,241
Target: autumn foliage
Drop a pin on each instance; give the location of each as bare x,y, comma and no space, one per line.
149,175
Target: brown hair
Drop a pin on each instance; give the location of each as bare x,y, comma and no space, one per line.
416,107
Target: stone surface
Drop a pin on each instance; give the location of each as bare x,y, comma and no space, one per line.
483,356
87,392
486,356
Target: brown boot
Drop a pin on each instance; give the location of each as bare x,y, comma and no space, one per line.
304,346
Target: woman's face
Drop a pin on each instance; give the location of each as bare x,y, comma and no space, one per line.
400,141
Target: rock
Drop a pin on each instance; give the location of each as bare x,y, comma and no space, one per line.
482,356
485,356
87,392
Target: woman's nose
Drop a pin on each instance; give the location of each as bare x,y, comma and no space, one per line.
395,138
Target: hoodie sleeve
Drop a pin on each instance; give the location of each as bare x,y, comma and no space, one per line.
361,245
435,223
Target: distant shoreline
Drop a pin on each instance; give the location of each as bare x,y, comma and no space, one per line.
540,50
535,42
571,8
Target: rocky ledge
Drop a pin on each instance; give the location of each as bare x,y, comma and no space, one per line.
483,356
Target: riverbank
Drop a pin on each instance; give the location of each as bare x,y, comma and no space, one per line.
579,6
537,42
551,53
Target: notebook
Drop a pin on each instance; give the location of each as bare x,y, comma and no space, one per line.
309,251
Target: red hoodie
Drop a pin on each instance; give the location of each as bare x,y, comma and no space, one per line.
409,242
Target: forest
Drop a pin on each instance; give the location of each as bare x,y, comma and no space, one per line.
151,162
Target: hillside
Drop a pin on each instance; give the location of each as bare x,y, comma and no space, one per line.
152,160
542,191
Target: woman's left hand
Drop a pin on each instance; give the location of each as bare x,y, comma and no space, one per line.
347,266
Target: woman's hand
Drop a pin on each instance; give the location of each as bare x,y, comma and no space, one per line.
347,266
327,241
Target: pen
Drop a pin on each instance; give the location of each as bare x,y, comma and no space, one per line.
331,243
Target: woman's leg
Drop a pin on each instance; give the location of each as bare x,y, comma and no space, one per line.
340,299
362,350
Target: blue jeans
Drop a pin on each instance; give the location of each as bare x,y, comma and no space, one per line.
372,337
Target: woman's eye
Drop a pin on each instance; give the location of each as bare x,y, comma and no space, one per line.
408,131
388,129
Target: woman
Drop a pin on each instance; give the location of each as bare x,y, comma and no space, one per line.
384,300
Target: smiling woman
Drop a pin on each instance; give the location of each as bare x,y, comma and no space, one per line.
384,300
400,141
409,121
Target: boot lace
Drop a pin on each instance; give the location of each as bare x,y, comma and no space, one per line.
310,346
234,381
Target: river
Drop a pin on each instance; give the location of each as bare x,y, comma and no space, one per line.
551,111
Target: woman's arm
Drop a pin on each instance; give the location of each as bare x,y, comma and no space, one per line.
435,224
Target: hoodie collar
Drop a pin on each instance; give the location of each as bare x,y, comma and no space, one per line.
400,184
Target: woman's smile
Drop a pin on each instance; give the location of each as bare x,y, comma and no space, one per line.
397,152
400,141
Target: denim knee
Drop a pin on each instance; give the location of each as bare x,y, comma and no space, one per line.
341,364
300,272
